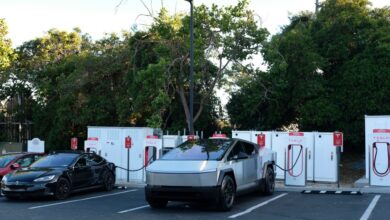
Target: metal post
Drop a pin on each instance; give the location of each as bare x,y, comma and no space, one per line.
128,164
192,69
338,167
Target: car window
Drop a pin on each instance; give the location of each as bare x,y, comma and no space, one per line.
37,156
203,149
25,161
249,148
6,159
93,160
81,162
237,149
55,160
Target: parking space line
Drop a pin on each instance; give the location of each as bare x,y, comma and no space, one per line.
79,200
133,209
370,208
257,206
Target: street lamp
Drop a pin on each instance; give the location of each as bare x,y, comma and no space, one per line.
191,119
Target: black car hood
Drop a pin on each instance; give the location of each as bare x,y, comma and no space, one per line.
30,174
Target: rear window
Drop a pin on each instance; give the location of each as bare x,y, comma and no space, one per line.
6,159
55,160
209,149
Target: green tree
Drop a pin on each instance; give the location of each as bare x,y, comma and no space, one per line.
325,72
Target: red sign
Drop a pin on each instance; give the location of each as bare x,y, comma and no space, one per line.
338,139
92,139
73,143
381,130
127,142
296,134
151,136
191,137
219,136
261,140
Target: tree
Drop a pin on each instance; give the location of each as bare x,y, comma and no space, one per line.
326,71
223,37
6,51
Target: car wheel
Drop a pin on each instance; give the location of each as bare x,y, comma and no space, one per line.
227,193
62,189
157,203
269,182
108,181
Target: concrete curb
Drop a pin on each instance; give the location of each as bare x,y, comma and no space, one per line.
280,187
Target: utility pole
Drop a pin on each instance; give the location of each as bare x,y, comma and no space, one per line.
191,119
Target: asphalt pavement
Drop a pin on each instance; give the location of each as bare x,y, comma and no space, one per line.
129,203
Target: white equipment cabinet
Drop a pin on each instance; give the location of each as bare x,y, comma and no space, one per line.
170,142
325,157
112,148
377,134
36,145
244,135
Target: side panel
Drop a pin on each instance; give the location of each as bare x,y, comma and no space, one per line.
309,145
325,158
279,145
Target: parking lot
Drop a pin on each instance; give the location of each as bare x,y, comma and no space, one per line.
130,204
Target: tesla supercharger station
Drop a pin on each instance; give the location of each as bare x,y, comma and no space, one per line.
380,157
152,150
92,145
295,174
325,157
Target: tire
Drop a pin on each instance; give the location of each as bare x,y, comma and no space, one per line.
108,181
62,189
227,194
157,203
269,182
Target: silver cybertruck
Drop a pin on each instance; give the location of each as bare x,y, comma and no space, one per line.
215,170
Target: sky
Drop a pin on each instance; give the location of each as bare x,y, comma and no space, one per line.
29,19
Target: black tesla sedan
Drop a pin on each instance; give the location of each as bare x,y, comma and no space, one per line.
59,174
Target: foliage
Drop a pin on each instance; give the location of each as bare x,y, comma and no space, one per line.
325,72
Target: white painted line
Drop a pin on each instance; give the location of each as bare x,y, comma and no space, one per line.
338,192
133,209
354,192
323,191
308,191
370,208
79,200
257,206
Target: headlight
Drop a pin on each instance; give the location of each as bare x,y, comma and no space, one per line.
45,178
4,180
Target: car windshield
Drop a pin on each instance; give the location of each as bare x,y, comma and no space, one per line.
6,159
208,149
55,160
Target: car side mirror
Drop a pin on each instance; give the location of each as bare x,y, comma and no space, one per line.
15,166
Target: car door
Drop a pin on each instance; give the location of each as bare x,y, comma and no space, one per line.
96,164
250,164
82,173
236,163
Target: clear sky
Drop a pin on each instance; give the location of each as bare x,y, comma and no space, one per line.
28,19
